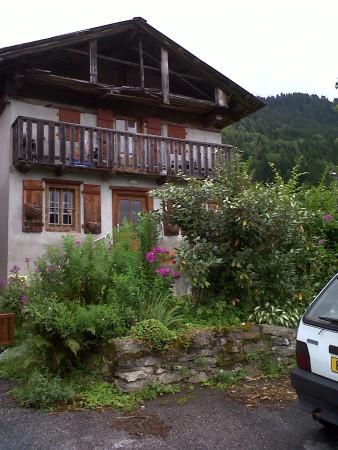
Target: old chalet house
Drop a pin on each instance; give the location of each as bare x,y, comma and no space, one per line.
92,120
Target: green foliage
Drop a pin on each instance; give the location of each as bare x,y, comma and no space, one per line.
164,310
225,378
290,127
266,362
243,239
102,393
43,392
152,335
287,315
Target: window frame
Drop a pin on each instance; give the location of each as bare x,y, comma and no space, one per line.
64,185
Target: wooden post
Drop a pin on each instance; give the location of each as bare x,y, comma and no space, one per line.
7,328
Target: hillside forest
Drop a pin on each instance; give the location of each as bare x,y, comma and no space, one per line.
291,130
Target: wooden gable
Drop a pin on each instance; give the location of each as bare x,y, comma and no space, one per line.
122,66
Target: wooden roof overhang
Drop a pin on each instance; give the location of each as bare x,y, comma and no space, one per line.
72,65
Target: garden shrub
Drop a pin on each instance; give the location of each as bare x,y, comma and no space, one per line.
152,335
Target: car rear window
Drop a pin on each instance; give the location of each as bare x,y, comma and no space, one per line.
324,309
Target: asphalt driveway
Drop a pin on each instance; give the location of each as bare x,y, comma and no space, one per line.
200,420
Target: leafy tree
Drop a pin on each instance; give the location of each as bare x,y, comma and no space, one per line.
242,239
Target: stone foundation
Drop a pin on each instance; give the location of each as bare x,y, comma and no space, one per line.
198,356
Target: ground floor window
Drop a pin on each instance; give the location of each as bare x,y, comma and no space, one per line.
62,208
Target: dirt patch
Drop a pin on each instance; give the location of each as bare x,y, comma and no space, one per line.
142,424
260,391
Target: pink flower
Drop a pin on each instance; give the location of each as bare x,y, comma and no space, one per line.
321,241
78,242
175,275
163,271
327,217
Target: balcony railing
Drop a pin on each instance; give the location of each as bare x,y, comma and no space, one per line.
65,145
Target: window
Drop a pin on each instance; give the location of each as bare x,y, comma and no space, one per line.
128,202
62,208
128,125
54,205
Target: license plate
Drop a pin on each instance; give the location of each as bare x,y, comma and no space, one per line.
334,364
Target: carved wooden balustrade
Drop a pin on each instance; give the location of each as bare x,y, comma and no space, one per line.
64,146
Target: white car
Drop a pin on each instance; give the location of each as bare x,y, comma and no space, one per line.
315,380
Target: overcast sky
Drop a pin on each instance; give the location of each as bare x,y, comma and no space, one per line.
268,47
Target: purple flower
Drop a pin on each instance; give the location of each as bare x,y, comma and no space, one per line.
77,242
175,275
327,217
24,301
3,283
27,259
15,269
151,257
49,268
163,271
321,241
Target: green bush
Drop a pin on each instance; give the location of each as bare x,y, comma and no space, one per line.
152,335
43,392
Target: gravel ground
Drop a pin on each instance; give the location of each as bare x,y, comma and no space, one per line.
203,419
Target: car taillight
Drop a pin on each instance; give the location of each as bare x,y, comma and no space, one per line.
303,356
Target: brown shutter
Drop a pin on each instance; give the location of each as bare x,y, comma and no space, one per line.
105,119
176,131
32,208
70,116
7,328
154,126
92,208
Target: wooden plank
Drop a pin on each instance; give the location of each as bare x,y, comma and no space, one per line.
144,142
184,158
141,64
40,140
199,161
165,75
134,152
72,143
29,139
191,158
62,138
7,328
82,146
91,146
167,156
99,147
93,61
160,156
110,149
51,142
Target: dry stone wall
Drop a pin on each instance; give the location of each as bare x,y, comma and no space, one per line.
198,356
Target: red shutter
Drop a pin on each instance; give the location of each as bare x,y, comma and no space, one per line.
7,328
70,116
32,206
154,126
176,131
92,208
105,119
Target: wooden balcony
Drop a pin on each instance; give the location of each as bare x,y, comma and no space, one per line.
65,146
